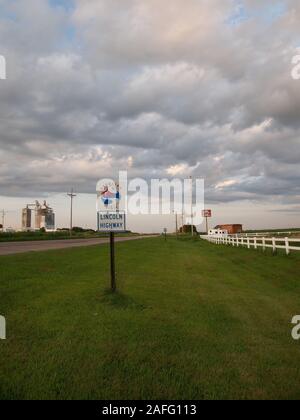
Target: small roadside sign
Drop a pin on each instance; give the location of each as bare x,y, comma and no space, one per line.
207,213
111,221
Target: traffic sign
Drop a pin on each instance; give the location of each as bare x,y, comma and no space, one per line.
207,213
111,221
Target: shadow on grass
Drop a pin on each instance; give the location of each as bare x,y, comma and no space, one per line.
119,300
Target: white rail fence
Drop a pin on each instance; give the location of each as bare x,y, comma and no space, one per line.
288,244
268,234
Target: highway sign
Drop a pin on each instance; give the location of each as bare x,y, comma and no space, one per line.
111,221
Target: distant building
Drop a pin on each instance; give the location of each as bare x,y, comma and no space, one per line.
231,229
44,217
26,218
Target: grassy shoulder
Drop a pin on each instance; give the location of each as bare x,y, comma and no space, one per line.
191,320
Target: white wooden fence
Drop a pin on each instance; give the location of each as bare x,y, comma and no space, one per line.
288,244
269,234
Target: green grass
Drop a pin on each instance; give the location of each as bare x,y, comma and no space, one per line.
192,320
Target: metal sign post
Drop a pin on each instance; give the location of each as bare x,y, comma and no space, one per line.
165,232
112,262
112,222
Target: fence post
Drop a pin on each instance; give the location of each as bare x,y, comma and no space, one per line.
264,243
255,242
248,242
274,245
287,246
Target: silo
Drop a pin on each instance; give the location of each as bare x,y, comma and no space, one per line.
26,218
38,216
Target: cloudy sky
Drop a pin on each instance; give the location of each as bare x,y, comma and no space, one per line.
158,88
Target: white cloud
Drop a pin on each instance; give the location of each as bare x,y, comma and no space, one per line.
179,169
224,184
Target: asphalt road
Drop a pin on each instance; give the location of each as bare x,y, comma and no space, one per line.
11,248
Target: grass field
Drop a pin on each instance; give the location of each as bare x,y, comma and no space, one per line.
191,321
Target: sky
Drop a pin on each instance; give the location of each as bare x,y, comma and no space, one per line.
161,89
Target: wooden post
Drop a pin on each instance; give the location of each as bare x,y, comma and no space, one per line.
287,246
248,242
264,243
112,262
274,245
255,242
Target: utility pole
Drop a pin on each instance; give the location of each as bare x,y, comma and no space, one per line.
71,195
176,223
192,216
3,214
